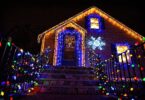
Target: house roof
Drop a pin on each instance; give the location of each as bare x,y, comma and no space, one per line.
98,11
62,26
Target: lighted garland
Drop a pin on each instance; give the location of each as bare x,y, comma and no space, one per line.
78,46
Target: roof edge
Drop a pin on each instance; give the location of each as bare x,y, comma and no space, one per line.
102,14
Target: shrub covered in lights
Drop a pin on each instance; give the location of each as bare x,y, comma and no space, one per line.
21,74
102,78
24,72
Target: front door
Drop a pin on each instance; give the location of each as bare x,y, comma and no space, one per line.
69,55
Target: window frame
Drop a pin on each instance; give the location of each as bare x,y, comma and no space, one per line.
88,23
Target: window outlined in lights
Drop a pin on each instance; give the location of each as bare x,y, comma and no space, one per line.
94,23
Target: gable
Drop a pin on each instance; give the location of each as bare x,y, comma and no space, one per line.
60,28
105,16
66,25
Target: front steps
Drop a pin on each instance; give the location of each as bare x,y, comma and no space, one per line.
68,83
68,80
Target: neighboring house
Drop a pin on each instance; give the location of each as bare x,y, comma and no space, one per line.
92,31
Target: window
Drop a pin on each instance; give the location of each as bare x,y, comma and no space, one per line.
94,23
123,48
69,41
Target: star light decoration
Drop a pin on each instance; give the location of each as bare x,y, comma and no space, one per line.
96,43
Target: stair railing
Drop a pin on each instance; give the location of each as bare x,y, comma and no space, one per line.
126,73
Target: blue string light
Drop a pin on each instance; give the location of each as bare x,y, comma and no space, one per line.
78,48
88,23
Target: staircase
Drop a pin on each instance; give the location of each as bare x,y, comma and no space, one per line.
68,80
68,83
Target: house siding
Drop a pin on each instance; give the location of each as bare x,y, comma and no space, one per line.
110,34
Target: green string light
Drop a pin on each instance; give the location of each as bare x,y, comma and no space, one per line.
119,99
15,91
9,44
99,87
104,89
35,83
143,79
123,86
143,38
14,61
132,65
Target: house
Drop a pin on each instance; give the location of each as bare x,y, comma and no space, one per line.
89,33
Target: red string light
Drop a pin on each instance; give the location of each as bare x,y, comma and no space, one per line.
11,98
136,43
135,78
141,68
8,83
0,44
13,44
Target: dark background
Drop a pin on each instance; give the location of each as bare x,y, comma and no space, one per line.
23,20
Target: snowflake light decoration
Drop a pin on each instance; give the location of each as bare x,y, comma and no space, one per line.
96,43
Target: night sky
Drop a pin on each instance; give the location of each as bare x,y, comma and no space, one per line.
24,20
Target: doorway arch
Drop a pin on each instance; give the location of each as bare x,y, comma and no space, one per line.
79,46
